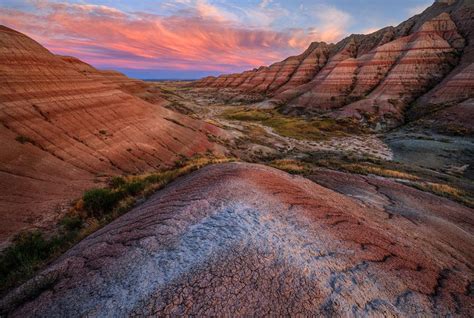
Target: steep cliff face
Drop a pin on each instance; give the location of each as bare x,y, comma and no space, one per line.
247,240
62,123
419,66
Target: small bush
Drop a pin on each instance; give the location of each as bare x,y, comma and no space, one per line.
153,178
72,223
117,182
23,139
98,202
23,256
134,187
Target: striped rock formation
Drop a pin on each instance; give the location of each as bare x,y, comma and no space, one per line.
425,62
62,123
110,78
246,240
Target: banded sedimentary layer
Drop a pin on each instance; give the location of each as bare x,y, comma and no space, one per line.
245,240
63,123
421,66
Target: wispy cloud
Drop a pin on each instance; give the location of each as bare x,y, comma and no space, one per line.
196,35
332,22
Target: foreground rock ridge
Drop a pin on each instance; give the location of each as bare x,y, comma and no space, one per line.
64,123
425,64
242,240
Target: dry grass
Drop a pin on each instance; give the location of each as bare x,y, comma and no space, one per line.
448,191
450,188
290,166
380,171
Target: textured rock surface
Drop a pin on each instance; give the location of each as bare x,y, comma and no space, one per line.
111,79
62,123
425,62
246,240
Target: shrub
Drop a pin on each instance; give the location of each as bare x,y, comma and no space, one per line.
23,256
117,182
23,139
72,223
134,187
98,202
29,251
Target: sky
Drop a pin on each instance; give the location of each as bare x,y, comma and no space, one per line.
188,39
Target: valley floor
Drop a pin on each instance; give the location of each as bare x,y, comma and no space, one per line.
410,154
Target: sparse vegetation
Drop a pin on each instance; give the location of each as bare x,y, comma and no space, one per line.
97,202
291,166
422,179
117,182
362,168
295,127
446,190
30,251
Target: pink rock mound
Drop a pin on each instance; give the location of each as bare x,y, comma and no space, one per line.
247,240
62,123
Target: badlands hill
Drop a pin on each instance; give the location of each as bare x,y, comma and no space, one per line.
63,124
243,240
422,67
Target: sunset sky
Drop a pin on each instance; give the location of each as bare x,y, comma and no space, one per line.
186,39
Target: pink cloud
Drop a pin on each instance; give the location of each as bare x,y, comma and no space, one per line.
206,39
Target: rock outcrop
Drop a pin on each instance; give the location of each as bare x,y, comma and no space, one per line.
247,240
63,123
416,68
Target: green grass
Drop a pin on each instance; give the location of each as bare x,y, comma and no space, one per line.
31,251
97,202
295,127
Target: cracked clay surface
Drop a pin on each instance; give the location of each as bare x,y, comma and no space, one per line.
241,239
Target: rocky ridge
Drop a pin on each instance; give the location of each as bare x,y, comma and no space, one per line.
421,66
241,239
64,124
